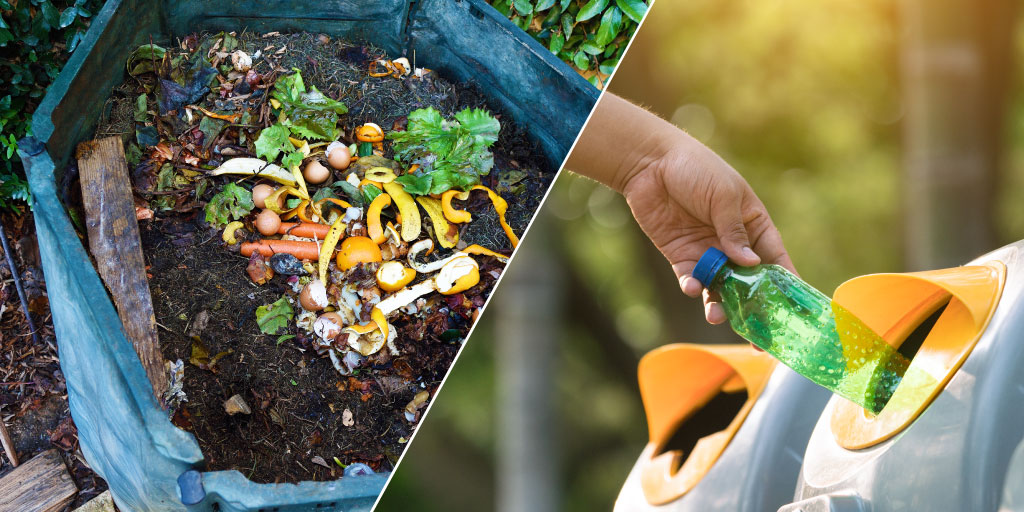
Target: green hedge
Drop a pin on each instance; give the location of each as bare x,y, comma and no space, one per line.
589,35
36,39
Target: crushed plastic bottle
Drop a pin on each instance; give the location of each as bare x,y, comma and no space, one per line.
805,330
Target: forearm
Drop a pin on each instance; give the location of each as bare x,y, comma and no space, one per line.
622,139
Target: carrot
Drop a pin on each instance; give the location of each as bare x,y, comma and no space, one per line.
304,229
301,250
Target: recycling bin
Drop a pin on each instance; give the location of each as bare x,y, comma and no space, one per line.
727,427
950,437
149,464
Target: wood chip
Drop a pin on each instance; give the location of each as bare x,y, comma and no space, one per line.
102,503
235,405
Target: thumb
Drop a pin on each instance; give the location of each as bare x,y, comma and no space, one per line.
732,233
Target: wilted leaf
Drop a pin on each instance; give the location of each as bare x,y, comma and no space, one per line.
272,318
231,203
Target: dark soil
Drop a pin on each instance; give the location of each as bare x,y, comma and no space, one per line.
33,395
298,399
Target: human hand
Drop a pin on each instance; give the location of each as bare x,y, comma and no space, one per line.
683,195
687,200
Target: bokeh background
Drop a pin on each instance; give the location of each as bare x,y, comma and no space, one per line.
883,136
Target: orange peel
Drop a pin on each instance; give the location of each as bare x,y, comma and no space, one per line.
500,206
356,250
382,323
373,227
483,251
450,212
393,276
457,275
369,132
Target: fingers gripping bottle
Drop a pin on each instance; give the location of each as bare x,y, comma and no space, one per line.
801,327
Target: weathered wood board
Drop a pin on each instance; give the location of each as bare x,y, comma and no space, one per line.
42,484
117,248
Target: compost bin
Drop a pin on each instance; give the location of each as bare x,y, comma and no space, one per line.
125,435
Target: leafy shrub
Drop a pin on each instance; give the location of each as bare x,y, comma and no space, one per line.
36,38
590,35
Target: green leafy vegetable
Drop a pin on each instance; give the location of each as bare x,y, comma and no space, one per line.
273,141
370,192
231,203
272,318
450,154
307,113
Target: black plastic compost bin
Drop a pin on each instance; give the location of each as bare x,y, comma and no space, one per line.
126,437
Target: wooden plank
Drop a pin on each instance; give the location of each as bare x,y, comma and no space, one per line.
102,503
5,438
42,484
117,248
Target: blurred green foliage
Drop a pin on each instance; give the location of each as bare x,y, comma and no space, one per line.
36,39
803,99
589,35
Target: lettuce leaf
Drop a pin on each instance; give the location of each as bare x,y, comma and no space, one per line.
231,203
451,154
272,318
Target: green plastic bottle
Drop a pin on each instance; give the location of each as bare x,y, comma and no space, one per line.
801,327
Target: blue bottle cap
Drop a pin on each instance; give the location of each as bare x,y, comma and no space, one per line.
708,265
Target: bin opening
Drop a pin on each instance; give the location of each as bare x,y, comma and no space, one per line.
909,347
696,397
934,319
712,418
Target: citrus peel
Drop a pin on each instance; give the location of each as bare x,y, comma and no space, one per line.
450,212
373,227
500,206
393,276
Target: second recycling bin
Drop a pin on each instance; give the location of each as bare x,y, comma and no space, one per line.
948,438
149,464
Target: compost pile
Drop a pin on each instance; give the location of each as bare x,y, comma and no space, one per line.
321,226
